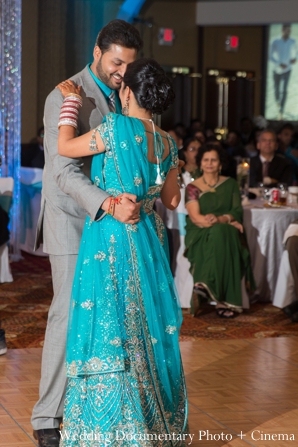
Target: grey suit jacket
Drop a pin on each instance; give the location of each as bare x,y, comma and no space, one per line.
68,194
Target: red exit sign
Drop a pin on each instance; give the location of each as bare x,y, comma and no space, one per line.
166,36
232,43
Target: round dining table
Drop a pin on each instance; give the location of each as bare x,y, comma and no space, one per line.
265,227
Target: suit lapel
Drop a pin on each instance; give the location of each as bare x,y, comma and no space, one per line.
256,174
275,166
259,170
94,93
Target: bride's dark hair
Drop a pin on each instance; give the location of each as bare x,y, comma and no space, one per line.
148,81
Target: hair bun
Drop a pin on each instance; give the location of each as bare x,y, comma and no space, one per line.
150,85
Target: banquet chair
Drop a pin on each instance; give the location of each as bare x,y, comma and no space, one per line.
6,191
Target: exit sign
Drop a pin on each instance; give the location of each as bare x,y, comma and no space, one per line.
232,43
166,36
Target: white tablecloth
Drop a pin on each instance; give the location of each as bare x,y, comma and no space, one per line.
175,222
265,229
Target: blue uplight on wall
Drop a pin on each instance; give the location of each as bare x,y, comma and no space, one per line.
10,106
130,9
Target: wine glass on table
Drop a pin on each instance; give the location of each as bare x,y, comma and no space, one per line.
283,193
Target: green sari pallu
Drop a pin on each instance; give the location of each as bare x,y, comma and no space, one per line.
219,255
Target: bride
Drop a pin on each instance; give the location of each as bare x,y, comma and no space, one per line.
126,382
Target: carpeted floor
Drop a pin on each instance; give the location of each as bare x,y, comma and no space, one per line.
25,302
24,306
261,321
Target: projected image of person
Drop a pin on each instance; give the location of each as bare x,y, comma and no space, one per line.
283,53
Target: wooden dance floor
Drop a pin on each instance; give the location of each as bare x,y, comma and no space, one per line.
237,388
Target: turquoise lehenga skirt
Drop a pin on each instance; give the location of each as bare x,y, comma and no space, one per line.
127,379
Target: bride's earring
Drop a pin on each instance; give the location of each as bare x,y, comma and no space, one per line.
125,109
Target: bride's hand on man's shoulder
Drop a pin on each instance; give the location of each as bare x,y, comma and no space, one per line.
67,87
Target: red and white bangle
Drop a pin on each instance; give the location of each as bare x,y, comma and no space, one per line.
69,112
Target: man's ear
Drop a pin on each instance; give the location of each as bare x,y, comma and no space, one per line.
97,53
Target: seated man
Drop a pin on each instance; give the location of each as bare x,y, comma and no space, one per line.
32,154
268,167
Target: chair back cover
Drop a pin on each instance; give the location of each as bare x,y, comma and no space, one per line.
30,176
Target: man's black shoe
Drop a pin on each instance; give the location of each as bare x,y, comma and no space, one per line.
291,309
47,437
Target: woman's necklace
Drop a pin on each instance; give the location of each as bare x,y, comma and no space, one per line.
140,118
212,187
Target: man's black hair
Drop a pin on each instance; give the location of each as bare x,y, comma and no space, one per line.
119,32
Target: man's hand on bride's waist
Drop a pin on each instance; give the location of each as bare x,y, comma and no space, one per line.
126,209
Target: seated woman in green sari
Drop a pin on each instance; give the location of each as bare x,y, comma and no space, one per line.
215,244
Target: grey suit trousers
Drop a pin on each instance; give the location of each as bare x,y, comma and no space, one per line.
53,377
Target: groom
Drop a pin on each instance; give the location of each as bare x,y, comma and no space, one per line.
67,196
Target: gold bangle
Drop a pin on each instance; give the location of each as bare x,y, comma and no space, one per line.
228,216
73,94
